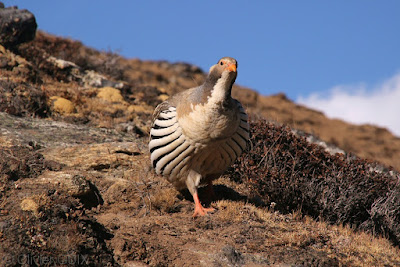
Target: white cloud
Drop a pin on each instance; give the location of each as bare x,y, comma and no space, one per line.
379,105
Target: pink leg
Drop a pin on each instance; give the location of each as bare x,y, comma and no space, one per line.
199,210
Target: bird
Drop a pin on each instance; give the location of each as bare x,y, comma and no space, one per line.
198,133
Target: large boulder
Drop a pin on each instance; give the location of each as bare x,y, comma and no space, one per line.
16,26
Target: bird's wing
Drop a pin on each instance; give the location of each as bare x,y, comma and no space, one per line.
160,108
168,147
181,101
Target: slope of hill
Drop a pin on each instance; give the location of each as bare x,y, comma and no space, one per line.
156,80
74,167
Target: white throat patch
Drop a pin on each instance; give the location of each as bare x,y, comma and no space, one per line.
218,93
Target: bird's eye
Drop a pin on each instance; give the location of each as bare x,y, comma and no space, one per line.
221,63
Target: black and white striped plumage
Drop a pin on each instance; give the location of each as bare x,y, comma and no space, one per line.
197,134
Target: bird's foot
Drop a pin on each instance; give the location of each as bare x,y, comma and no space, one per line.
201,211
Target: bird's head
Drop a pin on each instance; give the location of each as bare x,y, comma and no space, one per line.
225,68
223,73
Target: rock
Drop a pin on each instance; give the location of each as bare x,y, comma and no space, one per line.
73,184
28,204
93,156
33,203
110,94
53,134
62,64
94,79
312,139
62,105
16,26
232,256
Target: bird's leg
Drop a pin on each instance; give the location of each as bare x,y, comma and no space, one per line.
192,182
199,210
210,191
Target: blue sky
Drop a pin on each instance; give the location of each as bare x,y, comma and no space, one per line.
306,49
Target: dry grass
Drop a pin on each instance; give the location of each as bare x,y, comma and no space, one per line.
285,168
354,248
232,211
165,200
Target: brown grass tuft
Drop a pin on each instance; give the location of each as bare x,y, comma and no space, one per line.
166,200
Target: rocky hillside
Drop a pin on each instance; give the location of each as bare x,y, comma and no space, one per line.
147,83
76,187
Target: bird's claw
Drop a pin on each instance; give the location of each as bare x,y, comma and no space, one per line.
201,211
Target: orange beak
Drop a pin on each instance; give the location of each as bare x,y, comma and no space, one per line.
232,67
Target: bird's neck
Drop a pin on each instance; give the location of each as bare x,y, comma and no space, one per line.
219,90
